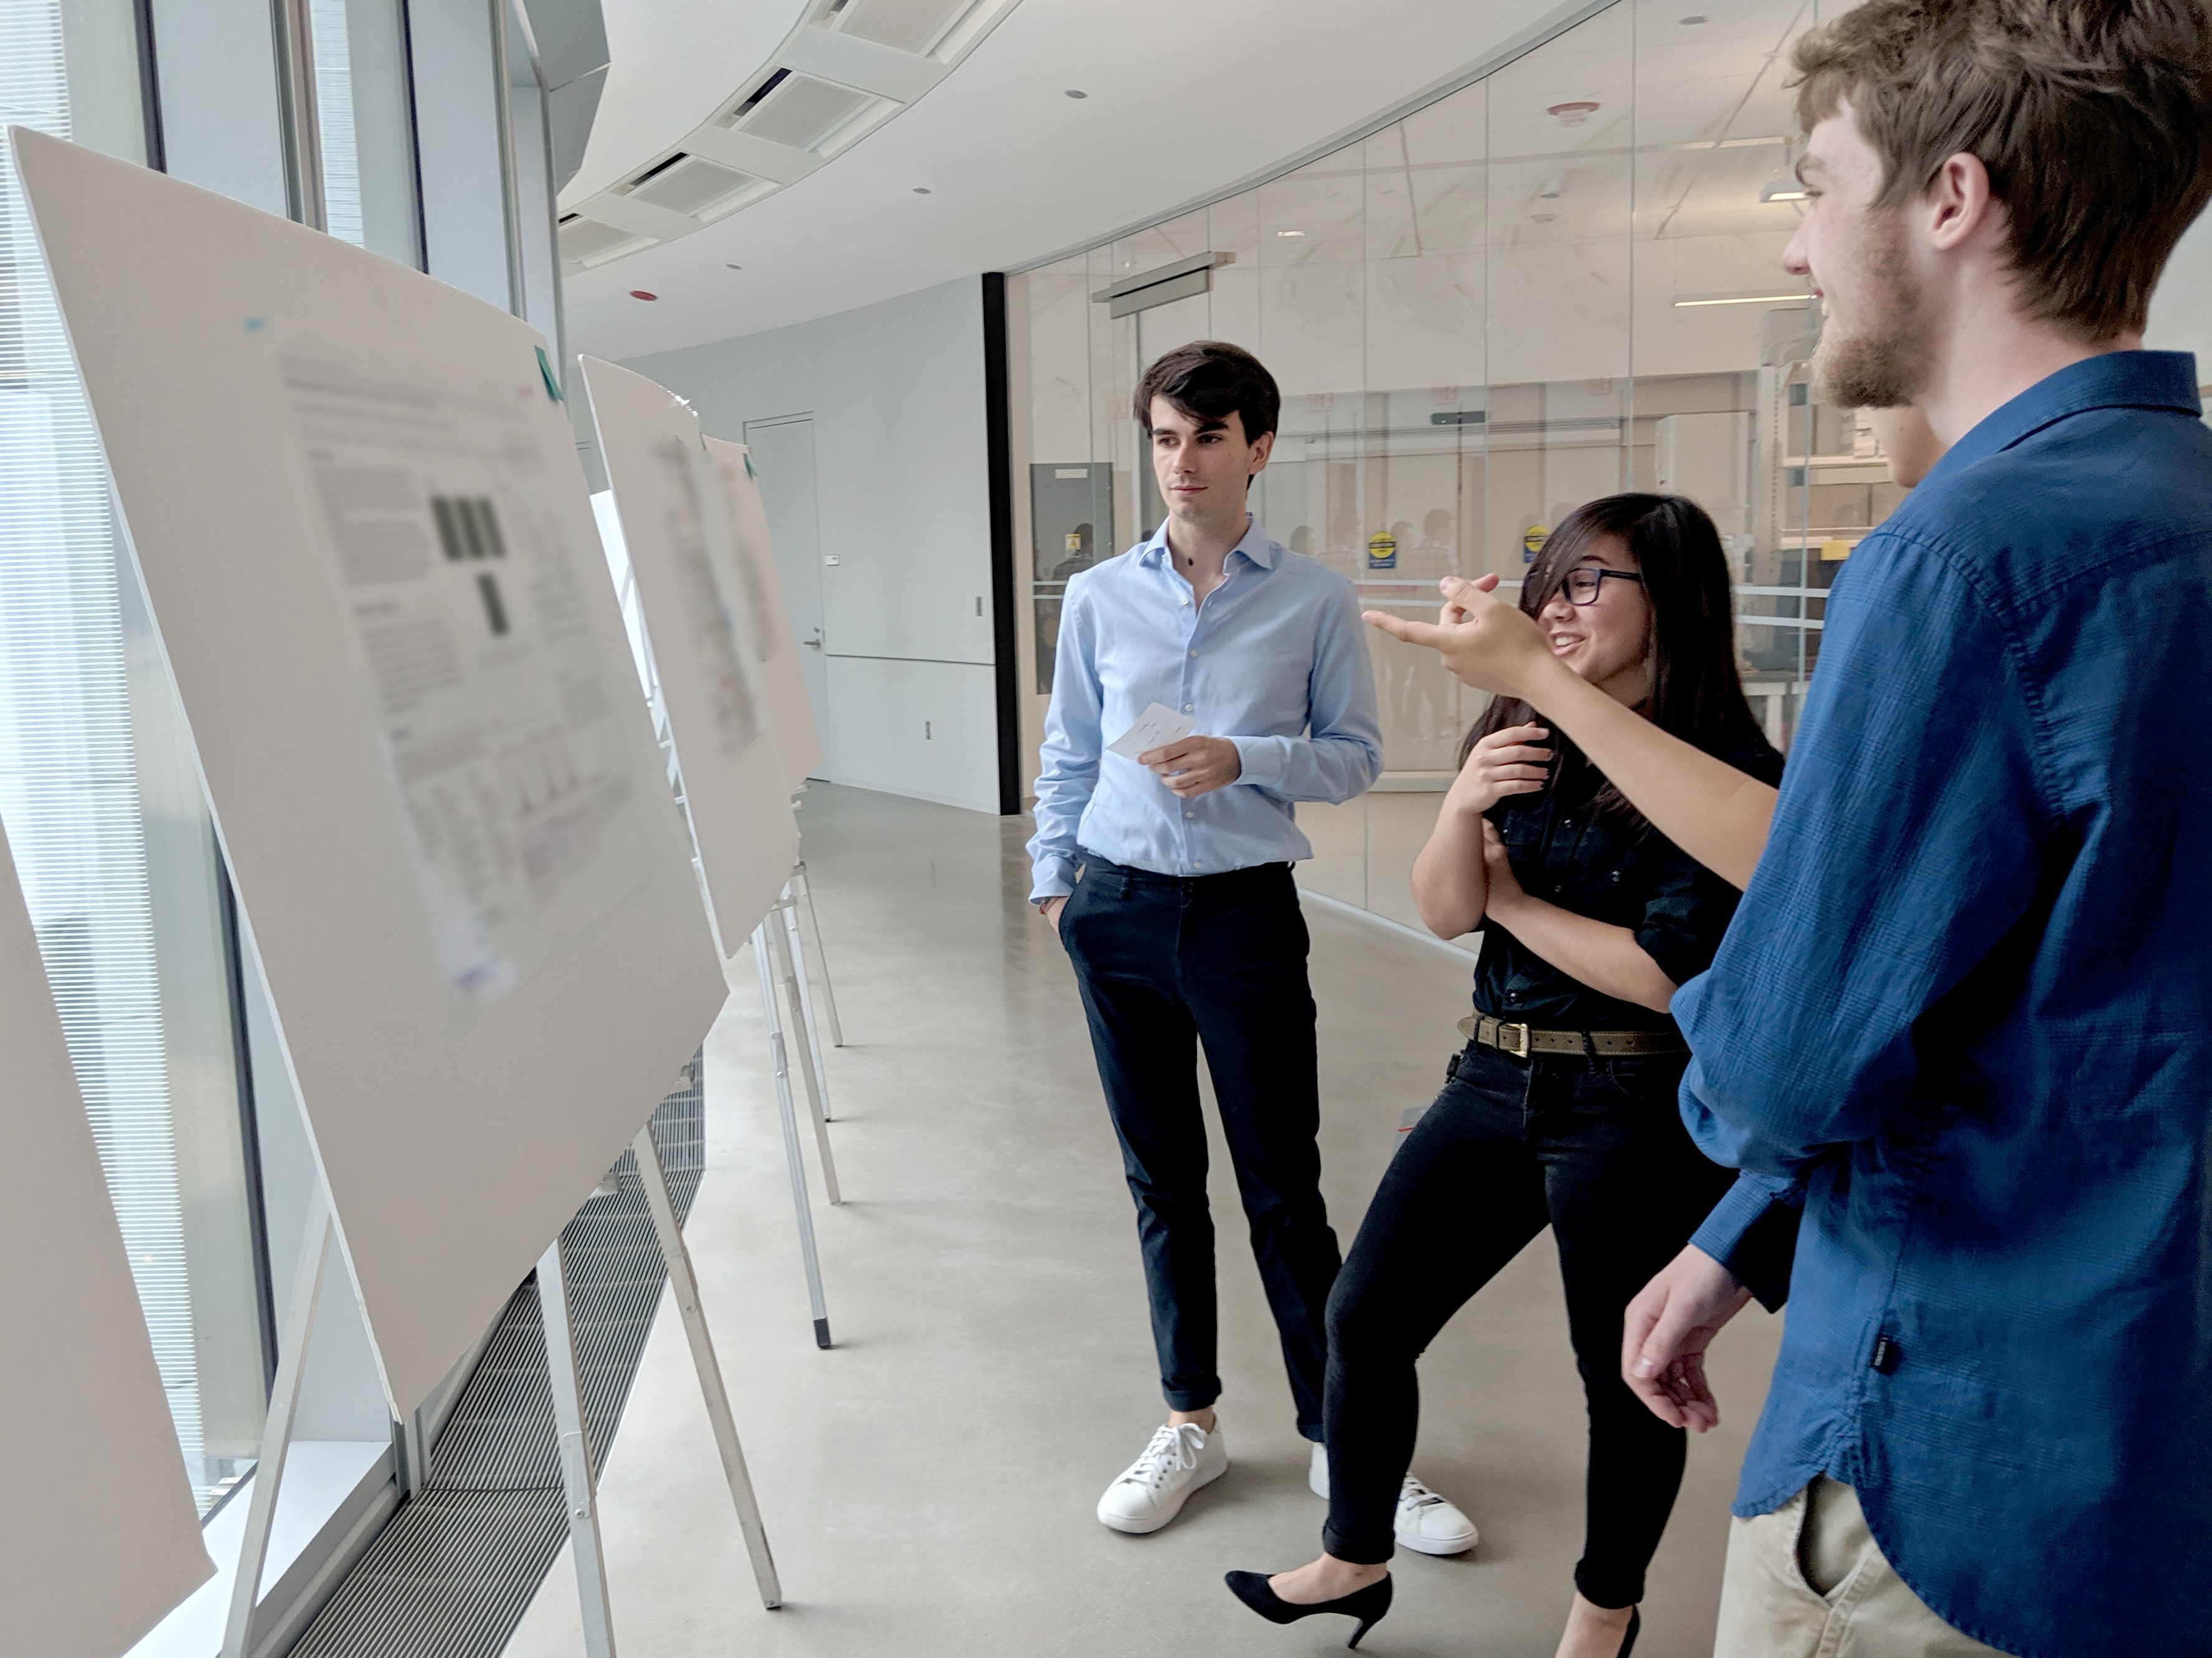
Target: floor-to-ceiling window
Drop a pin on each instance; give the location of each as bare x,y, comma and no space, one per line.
101,802
1560,281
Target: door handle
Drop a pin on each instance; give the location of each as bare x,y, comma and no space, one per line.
815,643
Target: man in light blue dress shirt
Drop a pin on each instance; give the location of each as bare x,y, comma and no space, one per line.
1168,877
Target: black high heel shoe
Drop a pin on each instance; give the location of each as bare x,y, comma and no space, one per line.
1367,1605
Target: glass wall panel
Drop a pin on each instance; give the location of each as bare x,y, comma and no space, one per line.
1559,282
101,803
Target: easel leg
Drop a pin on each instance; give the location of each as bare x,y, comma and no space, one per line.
796,982
800,1201
577,1484
276,1433
780,947
805,890
684,1286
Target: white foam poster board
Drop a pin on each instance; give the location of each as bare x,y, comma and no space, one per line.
702,627
98,1537
784,682
362,527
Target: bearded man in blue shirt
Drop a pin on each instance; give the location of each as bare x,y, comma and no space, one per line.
1958,1035
1167,875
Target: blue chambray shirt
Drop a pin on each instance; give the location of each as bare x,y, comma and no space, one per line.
1275,659
1964,1016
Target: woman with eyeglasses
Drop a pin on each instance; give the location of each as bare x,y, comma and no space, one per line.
1560,1110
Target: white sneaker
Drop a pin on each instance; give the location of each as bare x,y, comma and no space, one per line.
1425,1522
1154,1489
1429,1524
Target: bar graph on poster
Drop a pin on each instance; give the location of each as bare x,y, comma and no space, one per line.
463,594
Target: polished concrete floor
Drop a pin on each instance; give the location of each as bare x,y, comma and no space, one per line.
929,1484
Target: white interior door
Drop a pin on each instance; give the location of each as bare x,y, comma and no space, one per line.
783,456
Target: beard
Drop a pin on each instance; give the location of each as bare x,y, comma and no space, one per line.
1884,364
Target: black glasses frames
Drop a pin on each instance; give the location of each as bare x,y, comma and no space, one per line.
1585,582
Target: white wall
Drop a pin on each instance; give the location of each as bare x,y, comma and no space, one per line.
895,391
2181,309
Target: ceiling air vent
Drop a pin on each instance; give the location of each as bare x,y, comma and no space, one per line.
692,185
586,241
914,26
801,112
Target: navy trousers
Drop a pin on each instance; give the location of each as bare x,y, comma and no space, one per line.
1166,965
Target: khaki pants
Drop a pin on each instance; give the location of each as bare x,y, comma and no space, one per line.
1807,1582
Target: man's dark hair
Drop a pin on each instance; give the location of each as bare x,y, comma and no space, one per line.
1209,379
2093,118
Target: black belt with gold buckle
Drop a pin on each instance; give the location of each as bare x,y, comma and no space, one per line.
1520,1042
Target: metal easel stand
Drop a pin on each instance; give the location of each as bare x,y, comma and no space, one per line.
578,1481
316,1238
788,1113
804,890
793,962
781,927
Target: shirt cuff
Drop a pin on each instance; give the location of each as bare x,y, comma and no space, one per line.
1752,1232
1263,761
1053,876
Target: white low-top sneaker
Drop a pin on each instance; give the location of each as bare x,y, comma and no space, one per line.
1425,1522
1430,1524
1157,1484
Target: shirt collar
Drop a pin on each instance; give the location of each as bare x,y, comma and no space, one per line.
2116,380
1257,549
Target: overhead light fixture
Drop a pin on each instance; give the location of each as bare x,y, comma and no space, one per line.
733,267
922,190
1574,113
1543,218
1074,93
1782,190
1694,19
640,294
1553,187
1688,301
1290,233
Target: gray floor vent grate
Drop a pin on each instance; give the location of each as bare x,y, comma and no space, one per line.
451,1575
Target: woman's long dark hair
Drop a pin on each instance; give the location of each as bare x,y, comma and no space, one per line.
1695,691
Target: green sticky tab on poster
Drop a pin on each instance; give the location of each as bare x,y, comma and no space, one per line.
545,367
748,470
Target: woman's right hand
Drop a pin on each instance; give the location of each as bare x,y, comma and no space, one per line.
1504,762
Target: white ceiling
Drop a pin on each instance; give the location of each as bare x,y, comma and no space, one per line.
1185,97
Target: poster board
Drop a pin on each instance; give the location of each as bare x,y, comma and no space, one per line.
790,712
99,1539
703,624
361,524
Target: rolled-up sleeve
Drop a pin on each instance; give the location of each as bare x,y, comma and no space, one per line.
1342,754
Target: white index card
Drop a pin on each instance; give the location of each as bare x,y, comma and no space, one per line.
1156,725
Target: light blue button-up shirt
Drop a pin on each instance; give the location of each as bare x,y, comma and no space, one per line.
1274,659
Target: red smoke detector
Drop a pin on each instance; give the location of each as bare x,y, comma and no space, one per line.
1573,114
640,294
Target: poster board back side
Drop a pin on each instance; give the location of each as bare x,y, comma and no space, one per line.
100,1539
789,710
299,432
704,626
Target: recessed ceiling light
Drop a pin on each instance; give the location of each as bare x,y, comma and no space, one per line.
1543,218
1290,233
733,267
1694,19
640,294
922,190
1574,111
1073,93
1782,190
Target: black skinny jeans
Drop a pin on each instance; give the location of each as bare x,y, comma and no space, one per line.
1167,964
1595,1148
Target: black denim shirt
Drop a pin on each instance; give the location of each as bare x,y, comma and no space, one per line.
1612,867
